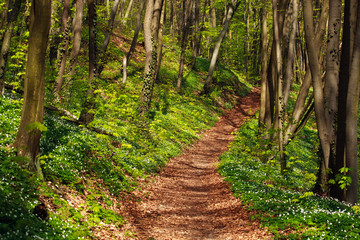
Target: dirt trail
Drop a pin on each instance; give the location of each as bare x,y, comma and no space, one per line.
189,199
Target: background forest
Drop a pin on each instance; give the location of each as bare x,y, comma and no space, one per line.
97,95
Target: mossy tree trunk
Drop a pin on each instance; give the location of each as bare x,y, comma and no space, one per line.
29,133
150,61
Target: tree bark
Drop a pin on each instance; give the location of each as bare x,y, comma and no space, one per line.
127,13
352,102
87,114
77,35
28,137
264,86
291,53
12,14
160,40
279,75
186,10
127,58
342,160
231,8
197,33
150,61
108,33
65,43
321,120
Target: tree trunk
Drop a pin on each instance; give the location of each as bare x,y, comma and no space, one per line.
186,10
127,13
232,6
352,191
12,14
77,35
87,114
264,85
197,33
342,160
28,137
291,54
332,79
279,104
160,40
150,61
107,36
318,89
64,46
126,59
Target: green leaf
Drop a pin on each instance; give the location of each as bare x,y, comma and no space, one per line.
36,126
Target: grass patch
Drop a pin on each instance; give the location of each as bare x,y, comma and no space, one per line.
286,205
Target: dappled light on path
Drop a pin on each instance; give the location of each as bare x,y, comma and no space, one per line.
189,199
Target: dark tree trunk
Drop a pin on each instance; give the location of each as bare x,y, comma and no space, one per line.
87,114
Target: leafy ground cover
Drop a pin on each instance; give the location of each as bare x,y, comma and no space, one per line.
87,172
285,203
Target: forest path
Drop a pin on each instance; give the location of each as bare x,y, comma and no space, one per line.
189,199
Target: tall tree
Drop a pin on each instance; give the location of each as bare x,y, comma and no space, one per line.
65,20
184,38
108,33
87,114
314,63
28,137
150,61
196,44
264,115
77,35
231,8
352,102
12,14
127,58
345,111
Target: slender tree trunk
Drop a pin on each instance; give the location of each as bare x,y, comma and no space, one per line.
12,15
127,58
186,10
87,114
172,18
127,13
300,109
197,33
150,61
212,17
279,100
291,54
231,8
318,89
160,40
264,85
107,36
64,46
77,35
28,137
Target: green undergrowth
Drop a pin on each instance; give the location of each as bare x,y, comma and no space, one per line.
87,169
285,203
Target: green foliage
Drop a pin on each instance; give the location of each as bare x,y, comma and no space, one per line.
287,207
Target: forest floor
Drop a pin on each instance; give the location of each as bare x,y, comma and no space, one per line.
189,199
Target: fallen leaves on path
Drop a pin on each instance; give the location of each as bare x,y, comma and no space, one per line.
189,199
